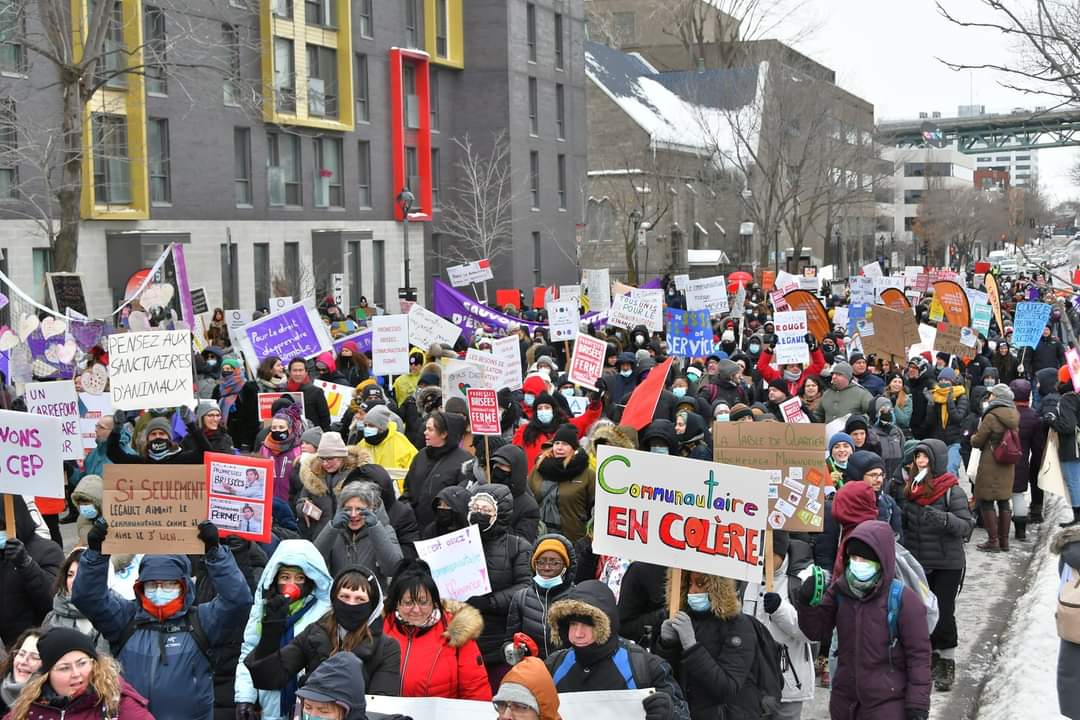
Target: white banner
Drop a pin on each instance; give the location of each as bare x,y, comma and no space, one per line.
426,328
30,461
58,399
151,369
390,344
498,373
791,330
474,272
563,319
508,351
600,705
598,285
457,563
708,294
629,311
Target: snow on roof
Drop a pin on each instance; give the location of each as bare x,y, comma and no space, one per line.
705,257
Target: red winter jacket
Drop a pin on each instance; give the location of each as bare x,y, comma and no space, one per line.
582,422
768,373
133,706
443,660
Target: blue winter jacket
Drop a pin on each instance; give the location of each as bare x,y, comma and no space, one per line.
296,553
168,669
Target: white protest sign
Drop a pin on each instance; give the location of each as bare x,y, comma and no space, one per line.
458,376
785,278
97,407
30,461
811,283
885,282
873,270
237,318
338,397
390,344
457,563
862,290
708,294
587,362
563,319
792,411
598,285
596,705
677,512
496,371
791,330
277,304
911,274
840,317
474,272
570,292
151,369
508,351
59,400
682,282
629,311
426,328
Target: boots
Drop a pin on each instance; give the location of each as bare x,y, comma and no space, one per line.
1035,515
1075,520
946,675
1020,523
990,522
935,667
1004,523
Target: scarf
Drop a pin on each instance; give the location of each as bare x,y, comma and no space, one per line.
941,395
297,387
159,456
9,689
929,492
229,390
861,588
296,611
272,447
434,617
270,386
553,471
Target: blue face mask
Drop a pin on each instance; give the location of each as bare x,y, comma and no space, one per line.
693,376
88,511
529,399
547,583
864,570
567,392
545,416
162,596
3,539
626,373
723,417
679,392
370,432
660,450
698,602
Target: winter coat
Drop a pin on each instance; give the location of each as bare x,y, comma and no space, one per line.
901,411
568,487
243,422
642,602
133,706
1067,544
296,553
65,614
525,522
320,488
873,681
402,517
509,570
219,441
768,373
871,382
315,408
434,469
1005,365
529,606
26,593
953,430
168,668
457,497
533,448
444,659
917,392
890,440
1065,422
1049,353
994,481
852,400
1032,444
374,547
87,492
191,456
935,532
394,451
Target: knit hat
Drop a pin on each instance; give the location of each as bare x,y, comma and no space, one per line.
58,642
856,422
842,369
909,452
456,405
312,436
567,433
1021,390
202,410
855,357
1064,376
428,379
232,362
379,416
780,384
515,693
739,412
160,423
780,542
855,546
947,374
839,438
331,445
1001,391
558,548
990,372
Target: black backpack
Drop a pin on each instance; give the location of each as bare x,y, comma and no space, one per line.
767,673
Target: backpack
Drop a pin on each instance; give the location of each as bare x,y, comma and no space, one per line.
627,662
1007,452
767,672
190,623
911,574
1068,607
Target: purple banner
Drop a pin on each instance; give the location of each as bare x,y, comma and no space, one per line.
287,335
362,340
187,312
462,310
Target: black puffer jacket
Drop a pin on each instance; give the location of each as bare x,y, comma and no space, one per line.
26,591
457,497
525,522
935,532
918,389
642,602
434,469
660,432
953,430
529,607
402,517
508,567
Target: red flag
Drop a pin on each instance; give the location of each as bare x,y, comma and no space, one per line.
642,403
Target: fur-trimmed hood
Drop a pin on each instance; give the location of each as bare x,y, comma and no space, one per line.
723,595
313,476
608,432
1063,538
591,599
466,623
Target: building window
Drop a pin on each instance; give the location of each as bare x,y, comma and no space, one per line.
433,97
154,50
412,24
435,258
909,224
110,68
364,13
112,166
538,255
442,22
927,169
408,89
354,267
282,8
292,261
320,12
378,270
158,160
242,166
625,27
913,197
436,174
984,159
1022,157
534,107
261,262
43,263
283,171
558,41
412,174
230,38
1004,158
322,81
530,29
12,23
560,111
364,172
284,75
229,273
363,96
9,148
1023,167
329,188
562,181
534,178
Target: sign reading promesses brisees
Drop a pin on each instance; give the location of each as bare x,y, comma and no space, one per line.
483,411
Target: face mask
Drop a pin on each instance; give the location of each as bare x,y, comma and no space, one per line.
626,373
211,363
640,339
792,375
886,417
547,583
498,475
529,399
567,392
444,517
157,448
88,511
482,520
754,348
3,539
160,597
679,392
841,465
864,570
370,432
660,450
545,416
989,382
723,417
280,435
698,602
349,616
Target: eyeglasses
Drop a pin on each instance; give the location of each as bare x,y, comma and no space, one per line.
160,585
874,475
550,564
354,511
83,665
26,655
515,709
417,604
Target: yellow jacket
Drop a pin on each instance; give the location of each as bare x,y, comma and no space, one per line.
394,452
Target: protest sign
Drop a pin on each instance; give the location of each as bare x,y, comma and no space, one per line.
150,369
483,411
154,508
881,284
240,492
93,408
267,400
458,376
1028,325
954,303
474,272
498,372
816,318
949,339
426,328
338,397
980,318
587,361
58,399
888,338
295,332
793,456
30,460
793,412
738,304
563,319
689,332
237,319
595,705
571,293
66,291
993,294
895,299
677,512
862,290
457,563
708,294
199,305
629,311
784,278
682,282
840,317
1072,359
508,351
390,344
791,332
598,286
873,270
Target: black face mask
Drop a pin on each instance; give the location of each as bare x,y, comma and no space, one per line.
280,435
352,617
484,522
158,446
445,518
498,475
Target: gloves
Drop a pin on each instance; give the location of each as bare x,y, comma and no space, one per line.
341,520
96,536
247,711
771,602
482,603
658,706
684,628
601,386
370,518
935,516
185,415
119,418
275,609
209,535
236,543
15,553
916,714
668,636
811,342
806,592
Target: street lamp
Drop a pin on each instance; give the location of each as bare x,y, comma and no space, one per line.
405,199
635,220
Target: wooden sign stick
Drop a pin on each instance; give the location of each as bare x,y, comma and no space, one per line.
9,516
769,564
487,457
674,598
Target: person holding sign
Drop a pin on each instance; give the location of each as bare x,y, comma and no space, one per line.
29,565
175,676
360,533
161,447
792,374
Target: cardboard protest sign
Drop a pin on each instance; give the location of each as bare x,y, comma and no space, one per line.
30,460
563,319
458,376
66,291
390,344
681,513
708,294
483,411
151,369
628,311
587,361
791,332
295,332
457,563
154,508
793,456
58,399
593,705
426,328
508,351
240,494
1028,324
817,319
954,303
955,340
267,400
338,397
689,332
598,286
888,338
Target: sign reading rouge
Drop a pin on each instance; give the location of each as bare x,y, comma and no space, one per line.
483,411
154,508
59,400
587,361
291,333
150,369
30,462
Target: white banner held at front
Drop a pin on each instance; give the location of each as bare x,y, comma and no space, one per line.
457,563
58,399
791,331
390,344
150,369
596,705
30,462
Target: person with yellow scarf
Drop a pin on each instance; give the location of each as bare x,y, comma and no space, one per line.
947,406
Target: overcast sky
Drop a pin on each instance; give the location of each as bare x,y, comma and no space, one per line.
886,52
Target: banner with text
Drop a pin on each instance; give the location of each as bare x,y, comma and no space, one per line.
689,332
457,563
240,493
30,462
587,361
390,344
295,332
58,399
154,509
